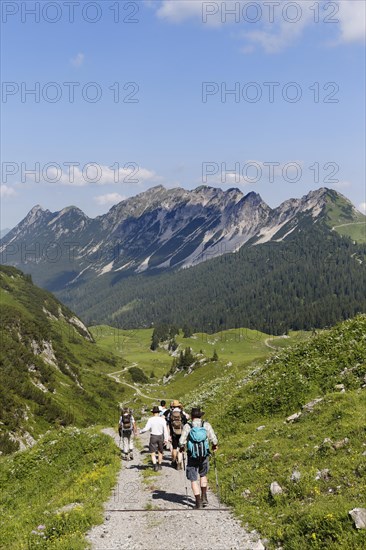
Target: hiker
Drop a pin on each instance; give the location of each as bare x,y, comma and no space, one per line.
176,419
162,411
158,436
162,408
126,427
197,434
167,411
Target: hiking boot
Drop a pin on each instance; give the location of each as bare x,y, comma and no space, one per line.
174,464
204,497
160,467
156,467
131,456
199,505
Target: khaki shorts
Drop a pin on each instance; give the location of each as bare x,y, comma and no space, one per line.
156,444
197,467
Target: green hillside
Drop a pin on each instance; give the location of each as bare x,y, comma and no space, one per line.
52,372
318,458
54,492
342,217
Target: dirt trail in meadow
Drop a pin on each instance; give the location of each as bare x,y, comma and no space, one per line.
157,513
345,224
137,390
267,344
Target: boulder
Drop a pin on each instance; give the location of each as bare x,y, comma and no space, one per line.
310,406
359,517
323,474
341,443
295,476
293,417
340,387
260,428
275,489
258,545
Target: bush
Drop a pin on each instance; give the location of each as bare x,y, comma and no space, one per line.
138,375
7,445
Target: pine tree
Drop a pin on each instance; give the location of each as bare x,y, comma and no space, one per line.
154,341
172,345
187,331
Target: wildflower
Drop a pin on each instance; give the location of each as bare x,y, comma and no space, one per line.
41,527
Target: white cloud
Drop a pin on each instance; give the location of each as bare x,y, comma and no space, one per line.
78,60
269,25
6,191
109,198
278,31
352,18
180,10
258,23
362,207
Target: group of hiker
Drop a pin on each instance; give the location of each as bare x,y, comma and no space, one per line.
183,433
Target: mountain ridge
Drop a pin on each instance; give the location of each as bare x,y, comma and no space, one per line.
269,269
157,229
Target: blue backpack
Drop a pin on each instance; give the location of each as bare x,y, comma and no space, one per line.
197,442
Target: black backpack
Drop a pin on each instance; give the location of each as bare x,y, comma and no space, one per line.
126,423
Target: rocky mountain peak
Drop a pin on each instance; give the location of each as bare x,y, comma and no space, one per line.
170,227
34,215
253,198
73,210
36,208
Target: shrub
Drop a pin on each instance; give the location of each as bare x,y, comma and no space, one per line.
138,375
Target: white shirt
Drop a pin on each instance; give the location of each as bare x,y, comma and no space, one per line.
157,426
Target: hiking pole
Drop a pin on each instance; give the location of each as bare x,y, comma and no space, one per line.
120,442
217,479
119,431
185,477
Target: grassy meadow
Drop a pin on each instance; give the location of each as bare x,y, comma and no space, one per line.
55,491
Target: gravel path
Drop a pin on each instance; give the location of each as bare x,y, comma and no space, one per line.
182,529
137,390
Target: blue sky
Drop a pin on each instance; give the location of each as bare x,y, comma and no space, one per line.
173,124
